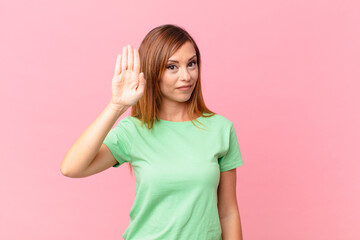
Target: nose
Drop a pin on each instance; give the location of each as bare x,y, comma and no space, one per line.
185,75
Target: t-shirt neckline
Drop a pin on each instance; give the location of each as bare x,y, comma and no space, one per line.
174,122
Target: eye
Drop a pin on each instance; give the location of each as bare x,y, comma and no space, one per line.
169,67
194,62
172,66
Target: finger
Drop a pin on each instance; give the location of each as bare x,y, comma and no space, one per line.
136,61
118,65
130,57
142,82
142,78
124,59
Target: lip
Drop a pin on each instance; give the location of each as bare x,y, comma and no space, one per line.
185,88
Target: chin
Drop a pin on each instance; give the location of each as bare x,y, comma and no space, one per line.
182,99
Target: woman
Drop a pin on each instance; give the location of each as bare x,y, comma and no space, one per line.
185,174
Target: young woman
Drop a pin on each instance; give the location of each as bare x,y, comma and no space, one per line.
185,173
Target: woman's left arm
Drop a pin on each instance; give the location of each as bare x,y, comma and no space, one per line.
227,206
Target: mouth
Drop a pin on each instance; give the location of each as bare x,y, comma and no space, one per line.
185,87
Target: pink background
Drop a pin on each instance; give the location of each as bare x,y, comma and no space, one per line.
285,72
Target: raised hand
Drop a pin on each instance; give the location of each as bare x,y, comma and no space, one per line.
128,83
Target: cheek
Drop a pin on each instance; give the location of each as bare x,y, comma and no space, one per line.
194,75
168,82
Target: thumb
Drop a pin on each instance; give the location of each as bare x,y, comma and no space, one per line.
142,81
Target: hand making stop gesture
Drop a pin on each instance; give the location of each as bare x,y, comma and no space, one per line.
128,83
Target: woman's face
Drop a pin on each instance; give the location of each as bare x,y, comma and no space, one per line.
181,70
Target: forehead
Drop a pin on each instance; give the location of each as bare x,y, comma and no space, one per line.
185,52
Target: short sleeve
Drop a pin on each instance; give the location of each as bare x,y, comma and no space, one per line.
232,157
119,141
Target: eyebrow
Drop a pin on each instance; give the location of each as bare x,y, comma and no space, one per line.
178,61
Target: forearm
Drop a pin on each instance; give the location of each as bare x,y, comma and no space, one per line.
87,145
231,227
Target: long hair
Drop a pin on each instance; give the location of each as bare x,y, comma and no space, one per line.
155,50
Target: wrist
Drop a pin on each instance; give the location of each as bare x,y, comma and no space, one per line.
119,109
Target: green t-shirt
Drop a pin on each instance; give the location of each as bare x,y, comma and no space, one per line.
177,169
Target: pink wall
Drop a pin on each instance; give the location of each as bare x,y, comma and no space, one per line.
285,72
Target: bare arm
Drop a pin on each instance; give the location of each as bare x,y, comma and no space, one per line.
227,206
88,155
84,150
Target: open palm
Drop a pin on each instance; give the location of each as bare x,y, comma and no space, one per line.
128,83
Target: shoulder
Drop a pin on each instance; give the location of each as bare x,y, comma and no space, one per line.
125,120
221,120
127,123
133,124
